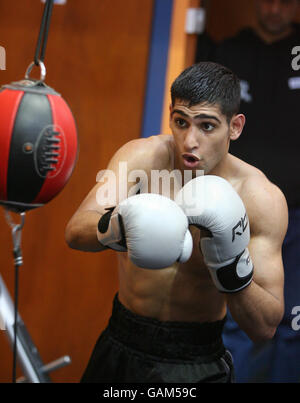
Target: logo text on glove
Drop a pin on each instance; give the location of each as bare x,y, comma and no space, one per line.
240,227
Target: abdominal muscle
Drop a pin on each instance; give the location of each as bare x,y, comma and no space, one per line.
181,292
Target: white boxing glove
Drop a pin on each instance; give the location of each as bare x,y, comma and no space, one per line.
152,228
211,203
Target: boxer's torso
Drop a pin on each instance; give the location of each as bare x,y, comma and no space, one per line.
182,292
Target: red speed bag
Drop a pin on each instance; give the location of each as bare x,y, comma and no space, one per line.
38,144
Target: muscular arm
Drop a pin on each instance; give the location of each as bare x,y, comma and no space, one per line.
81,230
259,308
138,155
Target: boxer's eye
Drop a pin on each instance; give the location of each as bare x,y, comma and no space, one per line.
207,126
181,123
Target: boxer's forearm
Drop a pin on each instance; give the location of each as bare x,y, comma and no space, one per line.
81,232
256,311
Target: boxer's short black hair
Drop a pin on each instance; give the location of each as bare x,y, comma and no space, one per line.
210,83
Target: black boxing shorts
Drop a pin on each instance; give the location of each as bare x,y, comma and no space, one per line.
137,349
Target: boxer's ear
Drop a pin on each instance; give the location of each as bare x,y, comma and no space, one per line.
236,126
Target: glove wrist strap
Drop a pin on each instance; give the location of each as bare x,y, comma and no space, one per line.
110,231
235,276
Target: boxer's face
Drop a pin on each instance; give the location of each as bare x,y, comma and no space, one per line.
202,135
275,16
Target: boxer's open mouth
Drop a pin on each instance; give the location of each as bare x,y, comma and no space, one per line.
190,157
190,160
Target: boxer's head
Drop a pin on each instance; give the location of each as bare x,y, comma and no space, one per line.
204,115
208,83
274,17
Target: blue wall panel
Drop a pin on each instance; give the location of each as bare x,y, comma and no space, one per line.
157,67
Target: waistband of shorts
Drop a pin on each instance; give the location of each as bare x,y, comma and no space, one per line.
167,338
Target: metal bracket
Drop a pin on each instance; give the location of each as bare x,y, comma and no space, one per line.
35,371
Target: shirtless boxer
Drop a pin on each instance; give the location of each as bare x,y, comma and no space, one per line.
167,322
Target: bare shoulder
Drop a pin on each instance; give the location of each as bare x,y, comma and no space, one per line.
265,204
145,153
